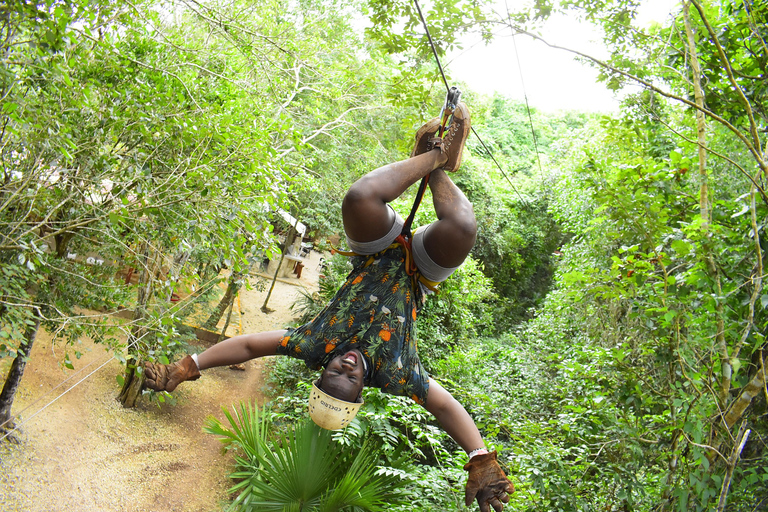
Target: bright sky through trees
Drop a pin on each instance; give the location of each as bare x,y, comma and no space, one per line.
551,78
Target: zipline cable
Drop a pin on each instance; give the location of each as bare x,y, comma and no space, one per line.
527,106
432,44
17,427
448,88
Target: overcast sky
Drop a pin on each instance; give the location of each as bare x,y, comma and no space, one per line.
552,79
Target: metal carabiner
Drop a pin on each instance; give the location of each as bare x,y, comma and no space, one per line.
446,113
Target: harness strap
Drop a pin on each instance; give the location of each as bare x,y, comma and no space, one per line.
410,265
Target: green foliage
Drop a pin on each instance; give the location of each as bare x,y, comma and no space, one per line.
397,30
304,469
459,311
162,144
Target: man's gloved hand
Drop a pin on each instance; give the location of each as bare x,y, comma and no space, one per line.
487,482
165,377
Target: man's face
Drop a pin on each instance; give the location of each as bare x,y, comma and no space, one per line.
343,377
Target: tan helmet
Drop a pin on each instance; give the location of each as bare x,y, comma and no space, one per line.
329,412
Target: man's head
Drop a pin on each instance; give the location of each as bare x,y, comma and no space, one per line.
343,377
335,397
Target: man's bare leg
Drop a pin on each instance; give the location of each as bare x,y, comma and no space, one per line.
364,209
449,240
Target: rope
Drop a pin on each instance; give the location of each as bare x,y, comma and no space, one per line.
447,87
432,44
527,107
17,427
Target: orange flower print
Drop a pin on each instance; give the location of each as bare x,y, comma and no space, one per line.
284,341
413,313
358,279
385,334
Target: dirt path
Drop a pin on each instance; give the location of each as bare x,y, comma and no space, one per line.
86,453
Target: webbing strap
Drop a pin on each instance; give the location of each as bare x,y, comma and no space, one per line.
406,231
410,265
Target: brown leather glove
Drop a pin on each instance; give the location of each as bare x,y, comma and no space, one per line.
165,377
487,482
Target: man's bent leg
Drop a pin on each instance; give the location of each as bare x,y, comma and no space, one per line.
449,240
364,210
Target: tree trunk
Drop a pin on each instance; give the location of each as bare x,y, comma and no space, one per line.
235,282
753,388
288,240
13,379
131,390
133,380
726,370
226,324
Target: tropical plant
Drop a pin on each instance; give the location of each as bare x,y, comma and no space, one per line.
304,470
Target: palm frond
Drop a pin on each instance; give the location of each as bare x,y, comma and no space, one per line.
305,470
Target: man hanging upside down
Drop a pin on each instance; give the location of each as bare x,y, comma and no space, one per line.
365,335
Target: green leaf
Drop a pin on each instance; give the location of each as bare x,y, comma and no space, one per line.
681,247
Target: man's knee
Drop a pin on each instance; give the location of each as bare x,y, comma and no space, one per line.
465,224
358,196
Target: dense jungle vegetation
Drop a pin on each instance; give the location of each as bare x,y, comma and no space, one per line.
608,331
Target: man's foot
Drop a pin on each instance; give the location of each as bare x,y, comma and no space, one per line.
455,137
441,158
423,136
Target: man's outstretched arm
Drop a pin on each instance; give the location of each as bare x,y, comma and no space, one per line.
165,377
452,416
486,482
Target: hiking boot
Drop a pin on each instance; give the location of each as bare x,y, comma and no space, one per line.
423,137
455,137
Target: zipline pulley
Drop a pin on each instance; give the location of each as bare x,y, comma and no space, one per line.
446,113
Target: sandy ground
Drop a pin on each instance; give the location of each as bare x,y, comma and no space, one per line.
85,452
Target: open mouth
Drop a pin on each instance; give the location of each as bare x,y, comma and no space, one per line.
350,358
